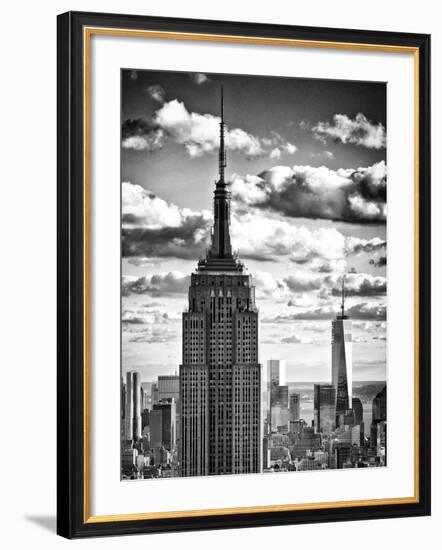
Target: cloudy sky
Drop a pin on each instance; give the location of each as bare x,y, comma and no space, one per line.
307,166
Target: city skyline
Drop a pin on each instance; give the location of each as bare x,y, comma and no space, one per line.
284,254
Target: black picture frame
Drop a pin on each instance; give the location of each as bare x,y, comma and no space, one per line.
71,391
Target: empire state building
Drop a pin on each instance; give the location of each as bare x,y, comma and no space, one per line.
220,377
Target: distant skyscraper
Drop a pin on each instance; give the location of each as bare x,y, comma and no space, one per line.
324,398
133,406
123,398
144,420
277,406
146,388
294,407
162,425
275,373
342,360
123,410
168,387
220,377
379,409
154,394
358,410
378,429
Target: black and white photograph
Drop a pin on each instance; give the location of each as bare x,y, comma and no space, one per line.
220,336
254,254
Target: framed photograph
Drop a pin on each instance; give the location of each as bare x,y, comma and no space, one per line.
243,309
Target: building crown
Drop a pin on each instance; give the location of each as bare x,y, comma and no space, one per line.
220,256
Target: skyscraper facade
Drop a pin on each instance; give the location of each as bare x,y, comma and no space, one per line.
220,377
378,428
154,394
279,408
324,398
342,361
275,372
379,408
168,387
277,404
133,406
162,425
358,410
294,407
146,395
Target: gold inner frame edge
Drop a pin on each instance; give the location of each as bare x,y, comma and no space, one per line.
134,33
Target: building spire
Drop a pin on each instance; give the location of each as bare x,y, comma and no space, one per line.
222,152
342,306
221,246
220,255
343,295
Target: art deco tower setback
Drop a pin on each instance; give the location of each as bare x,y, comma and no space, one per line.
220,377
342,360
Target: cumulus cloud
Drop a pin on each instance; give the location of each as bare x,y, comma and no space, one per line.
320,327
141,262
355,245
134,322
261,237
258,237
199,78
287,147
267,286
154,227
280,289
156,92
370,326
157,335
303,300
358,284
303,288
295,339
348,195
358,131
328,266
303,281
132,319
140,135
275,154
323,155
200,133
159,284
151,304
304,124
359,311
379,261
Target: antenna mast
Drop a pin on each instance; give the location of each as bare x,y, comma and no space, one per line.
343,296
222,152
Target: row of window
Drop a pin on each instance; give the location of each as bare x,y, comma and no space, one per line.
225,281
